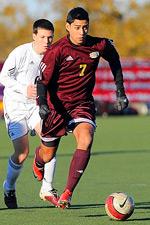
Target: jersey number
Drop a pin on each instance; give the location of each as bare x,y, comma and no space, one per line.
82,67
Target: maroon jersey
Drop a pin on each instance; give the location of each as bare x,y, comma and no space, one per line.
68,70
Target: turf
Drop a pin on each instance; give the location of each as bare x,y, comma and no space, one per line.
120,161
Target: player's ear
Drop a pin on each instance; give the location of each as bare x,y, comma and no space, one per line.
33,36
68,27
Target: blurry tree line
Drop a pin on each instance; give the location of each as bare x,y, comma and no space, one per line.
127,23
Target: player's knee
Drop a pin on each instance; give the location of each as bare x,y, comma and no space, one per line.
47,153
84,136
85,142
20,158
48,157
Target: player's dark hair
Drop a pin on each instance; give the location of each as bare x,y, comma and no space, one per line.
42,23
77,13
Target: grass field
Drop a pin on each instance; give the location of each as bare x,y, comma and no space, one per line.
120,162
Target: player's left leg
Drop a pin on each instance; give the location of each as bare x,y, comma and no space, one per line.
44,168
15,118
52,129
83,133
15,163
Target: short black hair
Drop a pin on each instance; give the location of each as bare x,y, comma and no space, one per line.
42,23
77,13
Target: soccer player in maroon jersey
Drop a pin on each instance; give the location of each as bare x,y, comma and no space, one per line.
65,95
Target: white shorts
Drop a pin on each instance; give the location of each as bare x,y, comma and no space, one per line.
20,118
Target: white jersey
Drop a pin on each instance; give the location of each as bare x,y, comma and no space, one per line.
20,70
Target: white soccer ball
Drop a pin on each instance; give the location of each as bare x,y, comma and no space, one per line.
119,206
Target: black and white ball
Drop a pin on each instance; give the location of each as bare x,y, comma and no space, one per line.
119,206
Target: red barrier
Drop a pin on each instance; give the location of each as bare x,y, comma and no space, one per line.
136,80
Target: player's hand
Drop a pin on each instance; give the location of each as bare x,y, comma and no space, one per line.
31,91
121,103
44,111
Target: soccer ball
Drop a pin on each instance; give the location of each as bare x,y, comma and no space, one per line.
119,206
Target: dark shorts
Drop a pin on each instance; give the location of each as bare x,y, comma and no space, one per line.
57,125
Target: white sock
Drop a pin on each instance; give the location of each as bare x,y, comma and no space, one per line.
13,171
49,170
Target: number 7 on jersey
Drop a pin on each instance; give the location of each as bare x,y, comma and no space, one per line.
82,67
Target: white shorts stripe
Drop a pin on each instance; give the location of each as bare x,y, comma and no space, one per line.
47,139
78,120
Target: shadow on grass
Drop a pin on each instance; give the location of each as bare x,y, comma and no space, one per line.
140,219
142,205
29,207
85,206
100,152
81,206
96,215
138,206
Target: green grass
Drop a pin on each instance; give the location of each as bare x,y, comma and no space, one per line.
120,161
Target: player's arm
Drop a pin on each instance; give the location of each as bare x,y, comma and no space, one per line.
42,99
110,54
9,73
47,66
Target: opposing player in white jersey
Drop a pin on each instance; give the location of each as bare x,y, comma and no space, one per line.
18,75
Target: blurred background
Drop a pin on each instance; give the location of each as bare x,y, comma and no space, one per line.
127,22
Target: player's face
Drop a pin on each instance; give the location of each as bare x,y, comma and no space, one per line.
77,31
42,40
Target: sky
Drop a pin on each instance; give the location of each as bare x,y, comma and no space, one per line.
33,6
